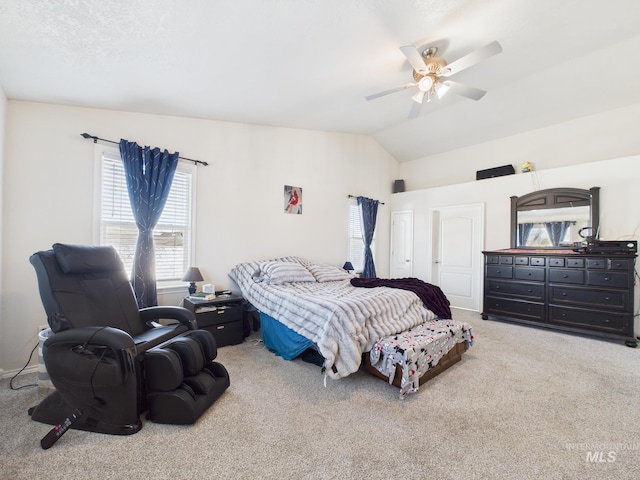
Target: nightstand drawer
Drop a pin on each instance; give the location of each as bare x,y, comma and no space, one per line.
226,333
225,323
221,314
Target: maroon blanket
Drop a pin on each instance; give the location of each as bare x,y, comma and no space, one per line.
431,295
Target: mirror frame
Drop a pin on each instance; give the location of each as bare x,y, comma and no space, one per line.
555,198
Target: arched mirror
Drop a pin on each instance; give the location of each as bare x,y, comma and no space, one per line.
554,218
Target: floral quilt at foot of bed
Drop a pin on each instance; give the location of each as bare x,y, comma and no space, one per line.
417,350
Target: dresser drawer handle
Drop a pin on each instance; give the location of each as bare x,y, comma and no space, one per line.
565,276
606,320
564,294
530,290
607,299
606,279
497,287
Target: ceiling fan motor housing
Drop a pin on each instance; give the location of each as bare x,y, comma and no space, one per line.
434,66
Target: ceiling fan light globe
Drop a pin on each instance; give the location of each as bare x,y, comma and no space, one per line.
442,88
425,83
418,96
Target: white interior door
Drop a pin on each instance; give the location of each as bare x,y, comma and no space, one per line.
401,244
457,253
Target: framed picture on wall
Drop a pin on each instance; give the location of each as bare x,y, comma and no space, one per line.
292,199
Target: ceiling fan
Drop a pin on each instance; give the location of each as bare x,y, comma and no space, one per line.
431,74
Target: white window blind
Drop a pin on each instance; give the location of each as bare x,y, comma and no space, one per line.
356,243
173,232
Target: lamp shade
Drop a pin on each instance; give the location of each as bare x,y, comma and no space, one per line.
192,275
348,266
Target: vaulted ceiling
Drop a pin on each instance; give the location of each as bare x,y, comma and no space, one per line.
310,63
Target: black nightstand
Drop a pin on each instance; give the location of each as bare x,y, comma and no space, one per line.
222,316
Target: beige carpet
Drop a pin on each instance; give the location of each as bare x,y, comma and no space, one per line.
523,403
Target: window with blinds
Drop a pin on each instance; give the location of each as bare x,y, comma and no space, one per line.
356,244
173,232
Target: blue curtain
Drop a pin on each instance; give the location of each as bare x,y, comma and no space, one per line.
149,174
557,231
523,233
369,210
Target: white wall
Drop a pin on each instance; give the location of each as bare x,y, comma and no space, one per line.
48,184
612,134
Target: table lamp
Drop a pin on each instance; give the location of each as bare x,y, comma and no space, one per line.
192,275
348,266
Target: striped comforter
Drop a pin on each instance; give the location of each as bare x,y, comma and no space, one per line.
341,320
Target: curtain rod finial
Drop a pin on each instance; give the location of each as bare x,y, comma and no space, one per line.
86,135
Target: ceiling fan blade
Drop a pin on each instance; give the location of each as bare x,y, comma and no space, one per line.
471,59
392,90
465,90
415,110
414,58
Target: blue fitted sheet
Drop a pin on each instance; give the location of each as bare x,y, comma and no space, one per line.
280,339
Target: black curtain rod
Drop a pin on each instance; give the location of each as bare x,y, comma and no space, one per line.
353,196
95,140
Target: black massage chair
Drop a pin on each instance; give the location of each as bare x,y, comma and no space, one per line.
108,360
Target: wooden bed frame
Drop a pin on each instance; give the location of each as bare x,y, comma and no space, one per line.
451,358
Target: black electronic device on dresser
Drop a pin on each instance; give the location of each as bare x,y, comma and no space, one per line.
222,316
564,290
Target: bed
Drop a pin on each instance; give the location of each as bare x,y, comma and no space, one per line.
304,305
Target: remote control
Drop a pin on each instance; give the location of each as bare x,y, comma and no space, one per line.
56,432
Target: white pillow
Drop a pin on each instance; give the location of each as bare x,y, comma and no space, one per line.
277,273
328,273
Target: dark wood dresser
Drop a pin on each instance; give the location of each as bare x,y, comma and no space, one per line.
581,293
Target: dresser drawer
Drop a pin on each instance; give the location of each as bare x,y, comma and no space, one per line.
589,319
608,279
620,264
575,262
556,262
492,259
521,261
529,273
506,260
616,300
514,308
499,272
538,261
528,291
566,276
596,263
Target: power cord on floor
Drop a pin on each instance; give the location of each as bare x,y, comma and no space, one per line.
25,366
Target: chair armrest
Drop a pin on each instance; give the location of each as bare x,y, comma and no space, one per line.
113,338
184,316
